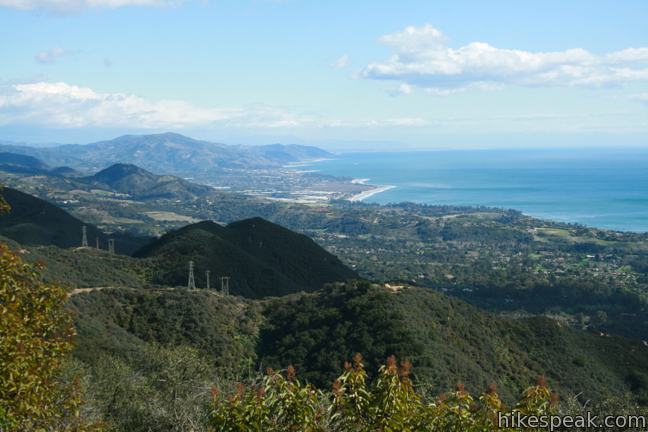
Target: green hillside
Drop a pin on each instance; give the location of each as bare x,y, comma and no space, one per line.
33,221
262,259
447,340
119,321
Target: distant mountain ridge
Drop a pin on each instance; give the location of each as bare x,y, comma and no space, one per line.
118,178
140,183
168,153
24,164
262,258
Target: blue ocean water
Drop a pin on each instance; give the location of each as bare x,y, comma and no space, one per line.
600,188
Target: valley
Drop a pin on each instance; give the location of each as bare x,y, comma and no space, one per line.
467,294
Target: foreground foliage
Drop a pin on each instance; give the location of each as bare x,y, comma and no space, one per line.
35,338
280,402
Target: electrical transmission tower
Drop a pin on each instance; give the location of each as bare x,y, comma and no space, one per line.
111,246
225,285
84,237
192,283
97,243
207,272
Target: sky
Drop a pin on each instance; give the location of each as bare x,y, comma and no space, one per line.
361,75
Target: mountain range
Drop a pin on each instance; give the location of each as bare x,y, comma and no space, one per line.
119,178
168,153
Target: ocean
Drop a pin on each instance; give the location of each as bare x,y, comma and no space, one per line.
599,188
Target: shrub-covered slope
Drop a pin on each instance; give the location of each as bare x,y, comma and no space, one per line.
447,340
262,258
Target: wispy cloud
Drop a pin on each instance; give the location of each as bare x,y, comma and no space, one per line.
68,6
422,58
61,105
50,56
341,62
403,89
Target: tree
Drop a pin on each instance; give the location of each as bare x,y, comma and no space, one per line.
35,338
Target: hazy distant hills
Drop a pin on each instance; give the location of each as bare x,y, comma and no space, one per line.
140,183
118,178
24,164
168,153
33,221
262,258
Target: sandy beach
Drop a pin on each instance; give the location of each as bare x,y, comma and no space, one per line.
366,194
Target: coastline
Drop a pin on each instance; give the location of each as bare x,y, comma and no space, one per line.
371,192
305,162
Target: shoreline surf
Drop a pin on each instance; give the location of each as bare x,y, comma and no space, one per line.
371,192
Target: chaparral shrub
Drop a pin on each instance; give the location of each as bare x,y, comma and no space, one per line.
388,403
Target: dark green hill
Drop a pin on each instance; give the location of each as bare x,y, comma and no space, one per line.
446,339
262,258
33,221
295,254
140,183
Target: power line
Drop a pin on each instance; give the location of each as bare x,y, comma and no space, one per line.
225,285
191,284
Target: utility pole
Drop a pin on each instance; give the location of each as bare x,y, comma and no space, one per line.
225,285
84,237
97,243
207,272
111,246
192,283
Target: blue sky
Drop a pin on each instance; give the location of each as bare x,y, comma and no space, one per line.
345,75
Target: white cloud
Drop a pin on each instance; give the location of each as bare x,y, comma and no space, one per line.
341,62
66,6
422,58
50,56
60,105
64,105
